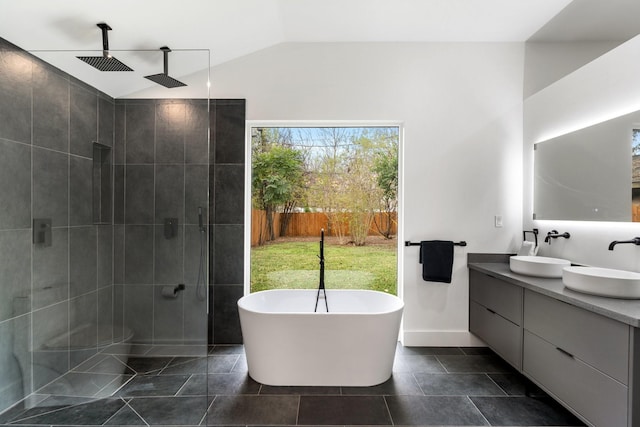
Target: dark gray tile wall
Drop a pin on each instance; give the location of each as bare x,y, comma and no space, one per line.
48,123
226,183
161,171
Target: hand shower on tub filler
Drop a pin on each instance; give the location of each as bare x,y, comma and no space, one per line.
321,284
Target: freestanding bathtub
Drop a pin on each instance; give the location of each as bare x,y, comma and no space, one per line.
287,344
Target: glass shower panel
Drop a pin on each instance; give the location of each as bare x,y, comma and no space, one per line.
107,317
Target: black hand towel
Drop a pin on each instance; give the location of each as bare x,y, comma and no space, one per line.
436,257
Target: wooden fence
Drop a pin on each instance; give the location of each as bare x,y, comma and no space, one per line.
306,224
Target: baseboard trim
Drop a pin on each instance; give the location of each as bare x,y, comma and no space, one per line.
440,339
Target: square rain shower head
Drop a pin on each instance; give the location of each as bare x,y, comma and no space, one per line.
105,63
164,80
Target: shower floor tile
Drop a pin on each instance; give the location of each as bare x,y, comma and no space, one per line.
430,386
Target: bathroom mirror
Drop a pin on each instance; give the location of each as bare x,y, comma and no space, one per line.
592,174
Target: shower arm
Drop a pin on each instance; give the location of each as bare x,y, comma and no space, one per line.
165,53
105,39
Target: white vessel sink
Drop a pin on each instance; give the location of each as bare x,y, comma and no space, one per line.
604,282
538,266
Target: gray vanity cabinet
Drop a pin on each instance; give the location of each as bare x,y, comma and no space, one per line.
586,360
579,357
495,315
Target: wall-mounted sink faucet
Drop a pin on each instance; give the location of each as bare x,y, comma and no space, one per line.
635,241
553,234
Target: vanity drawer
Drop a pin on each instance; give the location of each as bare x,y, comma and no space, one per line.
497,295
599,341
594,395
503,336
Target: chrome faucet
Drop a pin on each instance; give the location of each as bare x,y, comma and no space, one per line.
553,234
635,241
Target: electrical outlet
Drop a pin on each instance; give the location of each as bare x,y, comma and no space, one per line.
497,221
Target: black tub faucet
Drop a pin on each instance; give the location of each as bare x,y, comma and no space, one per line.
635,241
553,234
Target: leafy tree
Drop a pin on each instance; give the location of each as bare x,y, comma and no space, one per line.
277,175
386,168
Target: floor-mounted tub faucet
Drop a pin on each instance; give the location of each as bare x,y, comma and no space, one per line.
553,234
635,241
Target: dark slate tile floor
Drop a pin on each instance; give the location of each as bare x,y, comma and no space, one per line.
430,386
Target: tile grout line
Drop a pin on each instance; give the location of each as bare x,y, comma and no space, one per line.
478,409
498,385
183,385
386,405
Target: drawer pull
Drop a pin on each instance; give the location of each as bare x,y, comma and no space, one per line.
566,353
490,311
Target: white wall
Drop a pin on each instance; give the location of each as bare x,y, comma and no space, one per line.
461,106
605,88
547,62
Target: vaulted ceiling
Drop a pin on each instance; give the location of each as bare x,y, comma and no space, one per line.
203,32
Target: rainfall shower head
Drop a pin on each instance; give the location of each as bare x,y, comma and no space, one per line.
106,62
163,79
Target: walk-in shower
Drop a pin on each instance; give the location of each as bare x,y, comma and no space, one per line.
95,170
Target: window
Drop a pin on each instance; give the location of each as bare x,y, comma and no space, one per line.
341,179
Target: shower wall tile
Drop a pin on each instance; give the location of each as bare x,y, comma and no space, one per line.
83,122
51,186
80,191
138,311
51,270
118,194
15,273
139,133
170,132
229,194
228,254
83,260
83,311
83,314
197,133
195,314
138,254
226,319
105,255
168,259
15,335
169,193
139,194
193,239
118,254
106,121
119,133
168,318
50,109
105,314
48,323
15,174
229,130
15,102
118,311
196,192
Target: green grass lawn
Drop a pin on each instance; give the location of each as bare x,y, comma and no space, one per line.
295,265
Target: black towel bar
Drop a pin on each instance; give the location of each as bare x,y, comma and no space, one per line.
410,243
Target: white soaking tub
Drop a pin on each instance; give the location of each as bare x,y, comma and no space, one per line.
287,344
